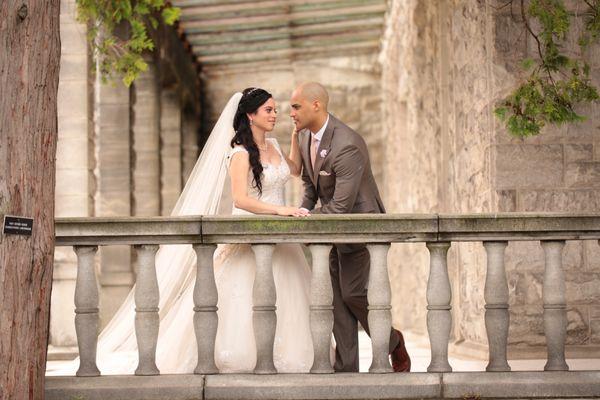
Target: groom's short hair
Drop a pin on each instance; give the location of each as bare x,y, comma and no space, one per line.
315,91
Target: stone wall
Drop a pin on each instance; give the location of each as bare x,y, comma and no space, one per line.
557,171
354,87
445,65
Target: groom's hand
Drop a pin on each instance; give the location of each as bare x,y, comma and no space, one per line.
292,211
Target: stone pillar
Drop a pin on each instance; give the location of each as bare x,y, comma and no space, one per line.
379,296
555,305
113,189
170,151
321,308
72,167
263,316
439,296
146,309
86,318
496,306
190,150
145,127
205,309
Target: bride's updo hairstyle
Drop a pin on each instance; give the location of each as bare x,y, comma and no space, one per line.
252,99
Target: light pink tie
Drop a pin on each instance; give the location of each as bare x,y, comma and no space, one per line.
314,144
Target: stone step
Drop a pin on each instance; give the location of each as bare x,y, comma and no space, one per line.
457,385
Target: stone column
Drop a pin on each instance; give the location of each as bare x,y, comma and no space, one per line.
170,151
190,148
439,295
86,311
321,308
264,300
146,309
72,168
206,319
380,318
113,188
496,306
555,306
145,127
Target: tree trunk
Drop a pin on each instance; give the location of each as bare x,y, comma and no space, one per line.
29,65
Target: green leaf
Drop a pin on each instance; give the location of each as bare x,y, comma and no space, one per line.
170,15
140,64
527,63
552,91
501,112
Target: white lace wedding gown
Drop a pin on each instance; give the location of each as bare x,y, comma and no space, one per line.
234,266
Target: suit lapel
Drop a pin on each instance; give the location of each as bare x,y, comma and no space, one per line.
324,148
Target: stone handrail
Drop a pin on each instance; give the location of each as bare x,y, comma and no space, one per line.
319,232
356,228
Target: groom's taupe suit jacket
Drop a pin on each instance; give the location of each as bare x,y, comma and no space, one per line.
342,178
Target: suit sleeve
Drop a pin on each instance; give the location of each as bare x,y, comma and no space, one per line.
309,198
348,167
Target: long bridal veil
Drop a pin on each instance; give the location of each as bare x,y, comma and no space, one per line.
175,264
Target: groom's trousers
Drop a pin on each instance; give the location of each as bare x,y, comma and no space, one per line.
350,278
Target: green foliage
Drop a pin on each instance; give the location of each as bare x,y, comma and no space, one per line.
121,55
556,81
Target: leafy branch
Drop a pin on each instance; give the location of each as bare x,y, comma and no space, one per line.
115,54
556,82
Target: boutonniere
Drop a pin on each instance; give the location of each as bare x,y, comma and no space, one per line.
323,153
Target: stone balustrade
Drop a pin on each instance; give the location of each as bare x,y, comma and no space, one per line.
437,232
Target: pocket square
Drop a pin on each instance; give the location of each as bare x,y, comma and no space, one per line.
324,173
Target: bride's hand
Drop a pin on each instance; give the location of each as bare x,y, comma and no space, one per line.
292,211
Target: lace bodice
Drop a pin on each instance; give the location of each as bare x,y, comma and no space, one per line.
274,178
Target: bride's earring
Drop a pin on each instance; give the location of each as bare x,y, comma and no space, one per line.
250,122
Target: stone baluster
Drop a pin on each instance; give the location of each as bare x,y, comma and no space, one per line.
146,309
86,310
264,317
555,307
379,295
439,295
321,308
205,309
496,306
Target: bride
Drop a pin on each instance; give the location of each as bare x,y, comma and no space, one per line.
258,170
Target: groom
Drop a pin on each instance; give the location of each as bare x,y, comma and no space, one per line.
337,171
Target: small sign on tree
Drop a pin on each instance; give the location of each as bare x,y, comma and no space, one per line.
17,225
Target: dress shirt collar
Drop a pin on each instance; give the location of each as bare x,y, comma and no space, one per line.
319,135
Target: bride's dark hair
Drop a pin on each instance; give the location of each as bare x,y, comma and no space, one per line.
252,99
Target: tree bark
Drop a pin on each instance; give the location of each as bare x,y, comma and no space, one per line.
29,66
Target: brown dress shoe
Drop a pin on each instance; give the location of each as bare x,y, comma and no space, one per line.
400,357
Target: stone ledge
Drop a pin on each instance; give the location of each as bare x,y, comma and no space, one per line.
455,385
512,385
334,386
321,228
344,228
175,387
